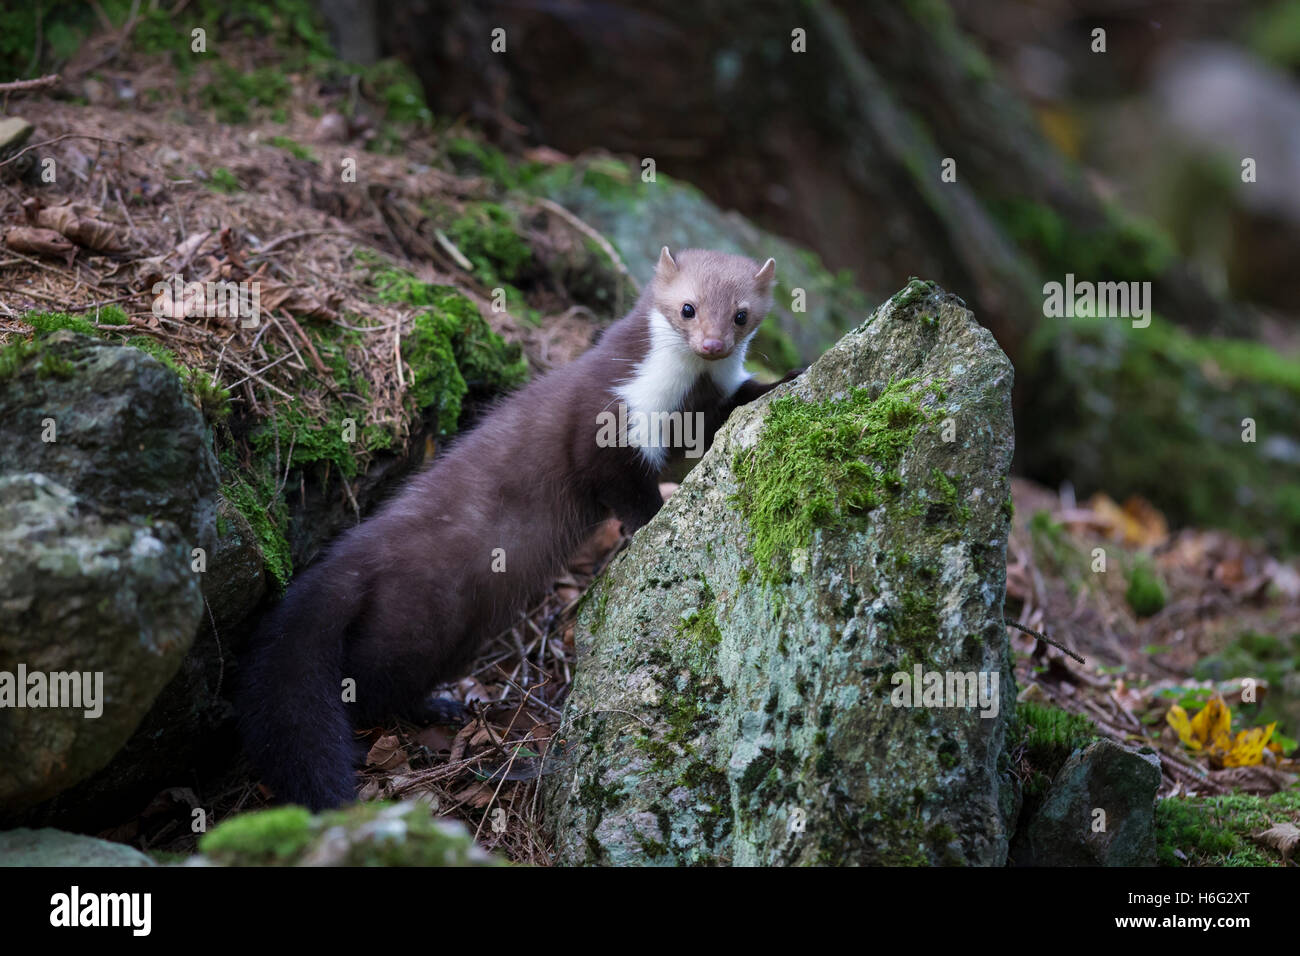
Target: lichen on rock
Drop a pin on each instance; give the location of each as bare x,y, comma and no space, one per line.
737,693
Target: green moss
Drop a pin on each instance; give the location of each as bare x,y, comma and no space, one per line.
1240,361
293,147
398,89
468,156
303,438
1146,592
757,773
819,464
1124,248
1049,735
255,496
14,356
212,398
917,624
273,836
699,635
159,351
451,349
688,704
438,385
488,235
46,322
222,180
472,157
377,834
948,496
52,366
58,28
654,849
1218,831
60,24
113,315
915,290
234,92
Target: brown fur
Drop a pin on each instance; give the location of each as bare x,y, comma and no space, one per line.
406,599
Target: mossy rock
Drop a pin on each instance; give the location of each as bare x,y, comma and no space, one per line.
365,834
734,699
1099,811
126,433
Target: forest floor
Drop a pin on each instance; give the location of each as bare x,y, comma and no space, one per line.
164,180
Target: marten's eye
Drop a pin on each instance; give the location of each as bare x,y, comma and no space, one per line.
688,311
741,317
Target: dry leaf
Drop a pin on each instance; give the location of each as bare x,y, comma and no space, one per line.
77,223
387,754
436,739
476,795
40,242
276,295
1138,523
1284,838
471,691
1260,780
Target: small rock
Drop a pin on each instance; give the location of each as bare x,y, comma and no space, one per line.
332,128
55,848
1099,811
14,131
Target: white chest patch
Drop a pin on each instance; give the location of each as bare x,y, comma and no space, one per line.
661,381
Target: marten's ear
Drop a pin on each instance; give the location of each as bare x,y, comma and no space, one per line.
764,275
667,267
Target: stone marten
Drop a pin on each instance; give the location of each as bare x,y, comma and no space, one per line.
406,599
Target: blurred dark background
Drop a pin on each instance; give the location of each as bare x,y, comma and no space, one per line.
1114,155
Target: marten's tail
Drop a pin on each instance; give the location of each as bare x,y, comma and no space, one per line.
293,721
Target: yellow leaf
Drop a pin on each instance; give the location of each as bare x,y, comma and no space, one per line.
1248,749
1213,721
1177,719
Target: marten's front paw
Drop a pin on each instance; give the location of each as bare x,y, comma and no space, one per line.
436,709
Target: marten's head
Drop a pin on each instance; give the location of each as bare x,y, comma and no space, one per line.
714,300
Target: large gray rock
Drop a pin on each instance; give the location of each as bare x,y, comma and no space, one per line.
130,446
1099,811
740,665
126,435
89,590
55,848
